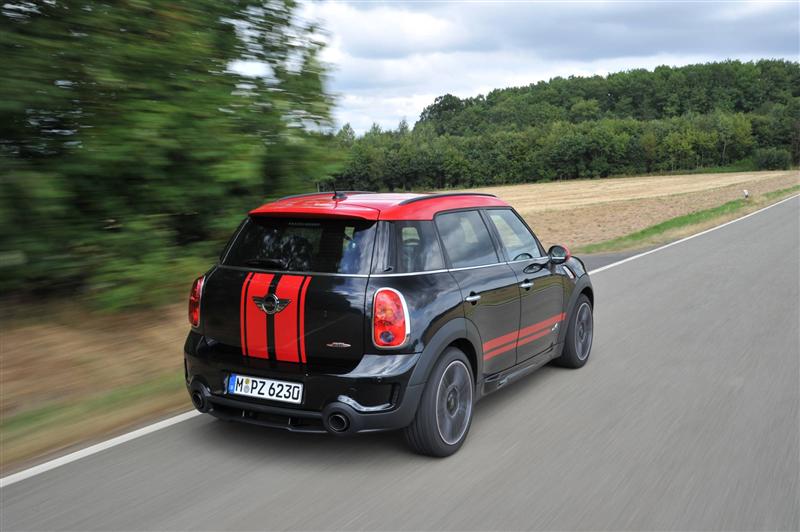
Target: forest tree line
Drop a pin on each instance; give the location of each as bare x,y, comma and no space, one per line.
131,145
727,115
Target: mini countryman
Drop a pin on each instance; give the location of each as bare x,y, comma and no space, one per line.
357,312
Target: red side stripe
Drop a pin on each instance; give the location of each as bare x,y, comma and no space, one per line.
286,327
255,319
242,314
302,325
487,355
500,340
549,322
507,342
531,338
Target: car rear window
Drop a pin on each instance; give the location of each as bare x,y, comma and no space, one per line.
304,245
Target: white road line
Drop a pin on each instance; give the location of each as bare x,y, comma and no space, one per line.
665,246
113,442
94,449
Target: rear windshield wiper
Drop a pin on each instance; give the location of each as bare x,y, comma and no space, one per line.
267,262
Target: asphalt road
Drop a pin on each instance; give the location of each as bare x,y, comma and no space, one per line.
686,417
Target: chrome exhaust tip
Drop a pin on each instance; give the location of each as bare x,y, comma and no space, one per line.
338,423
198,401
199,394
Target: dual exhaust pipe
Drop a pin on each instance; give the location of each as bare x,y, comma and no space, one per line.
335,418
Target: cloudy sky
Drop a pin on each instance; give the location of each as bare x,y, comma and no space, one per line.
391,59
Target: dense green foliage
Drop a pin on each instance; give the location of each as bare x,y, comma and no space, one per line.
672,119
129,146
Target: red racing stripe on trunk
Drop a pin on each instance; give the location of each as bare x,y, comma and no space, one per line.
302,319
255,319
243,314
287,347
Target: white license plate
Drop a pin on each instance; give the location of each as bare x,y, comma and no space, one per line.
288,392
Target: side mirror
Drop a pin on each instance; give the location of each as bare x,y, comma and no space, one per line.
558,254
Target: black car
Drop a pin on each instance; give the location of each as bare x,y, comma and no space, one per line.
356,312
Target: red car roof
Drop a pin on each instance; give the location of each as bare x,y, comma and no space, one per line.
368,206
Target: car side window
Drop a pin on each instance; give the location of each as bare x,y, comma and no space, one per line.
514,235
417,247
466,239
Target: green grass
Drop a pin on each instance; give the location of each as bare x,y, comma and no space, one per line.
782,192
651,233
24,423
634,239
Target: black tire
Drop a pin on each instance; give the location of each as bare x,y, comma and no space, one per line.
580,333
445,410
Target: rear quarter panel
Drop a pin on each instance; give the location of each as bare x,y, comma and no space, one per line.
433,300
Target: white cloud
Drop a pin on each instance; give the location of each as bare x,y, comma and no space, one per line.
390,60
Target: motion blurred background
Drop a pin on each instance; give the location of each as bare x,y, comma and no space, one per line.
135,135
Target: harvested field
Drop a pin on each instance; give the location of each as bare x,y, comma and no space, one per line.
602,209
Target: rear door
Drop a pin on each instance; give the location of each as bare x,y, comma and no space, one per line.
292,291
541,289
488,285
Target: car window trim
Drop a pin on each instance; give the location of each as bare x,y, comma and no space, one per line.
286,272
365,275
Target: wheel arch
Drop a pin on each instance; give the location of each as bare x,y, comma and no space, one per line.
583,285
458,332
466,347
589,293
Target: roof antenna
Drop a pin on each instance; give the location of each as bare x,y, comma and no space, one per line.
337,195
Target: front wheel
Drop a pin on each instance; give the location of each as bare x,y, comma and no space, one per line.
445,410
580,333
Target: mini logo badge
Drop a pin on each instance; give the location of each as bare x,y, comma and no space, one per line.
271,304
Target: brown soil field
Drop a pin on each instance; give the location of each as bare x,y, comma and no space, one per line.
69,376
602,209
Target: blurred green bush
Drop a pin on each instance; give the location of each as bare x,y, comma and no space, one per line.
772,159
131,143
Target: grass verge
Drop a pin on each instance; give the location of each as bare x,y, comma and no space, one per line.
55,427
686,224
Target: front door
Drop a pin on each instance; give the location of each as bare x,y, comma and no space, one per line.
541,288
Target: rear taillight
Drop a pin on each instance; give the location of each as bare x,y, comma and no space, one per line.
194,301
390,320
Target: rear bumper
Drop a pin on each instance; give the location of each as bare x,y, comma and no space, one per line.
374,396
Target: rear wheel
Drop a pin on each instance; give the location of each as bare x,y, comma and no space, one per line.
445,410
580,333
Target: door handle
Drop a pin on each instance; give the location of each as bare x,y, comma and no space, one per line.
526,284
537,264
472,298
